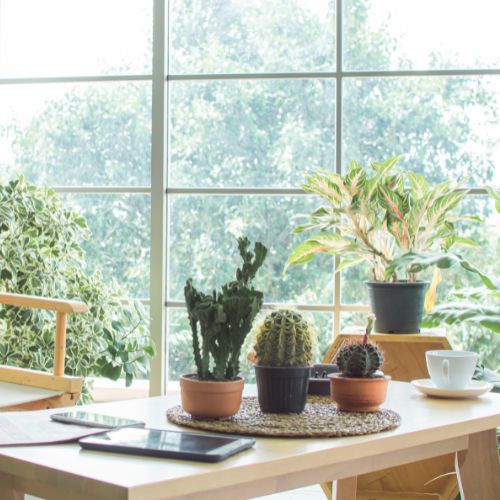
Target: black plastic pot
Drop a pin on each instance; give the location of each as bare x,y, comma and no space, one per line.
397,306
319,383
282,389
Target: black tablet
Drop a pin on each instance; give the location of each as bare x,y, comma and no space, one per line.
168,444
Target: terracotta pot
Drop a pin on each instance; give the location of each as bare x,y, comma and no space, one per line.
358,394
209,399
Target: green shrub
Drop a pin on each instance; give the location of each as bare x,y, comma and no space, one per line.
40,254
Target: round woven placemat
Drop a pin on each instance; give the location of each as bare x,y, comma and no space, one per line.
319,419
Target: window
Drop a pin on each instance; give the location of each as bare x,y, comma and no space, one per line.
178,125
262,92
75,101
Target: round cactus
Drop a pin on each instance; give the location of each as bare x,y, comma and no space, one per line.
284,338
359,360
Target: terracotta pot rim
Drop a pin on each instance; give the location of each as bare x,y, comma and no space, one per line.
365,380
210,385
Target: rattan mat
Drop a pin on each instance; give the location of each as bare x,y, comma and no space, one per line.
319,419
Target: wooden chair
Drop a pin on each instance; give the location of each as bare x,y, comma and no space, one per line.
25,389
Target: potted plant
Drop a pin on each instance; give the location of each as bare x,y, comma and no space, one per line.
219,322
394,221
283,354
359,386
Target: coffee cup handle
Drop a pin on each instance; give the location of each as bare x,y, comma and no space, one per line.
445,366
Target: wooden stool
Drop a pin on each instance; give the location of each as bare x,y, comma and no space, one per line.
35,390
405,361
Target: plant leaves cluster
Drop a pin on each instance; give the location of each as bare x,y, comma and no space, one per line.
376,215
40,254
479,305
220,321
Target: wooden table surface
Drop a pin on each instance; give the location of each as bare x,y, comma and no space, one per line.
430,427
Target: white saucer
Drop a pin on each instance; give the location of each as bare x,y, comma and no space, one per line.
474,389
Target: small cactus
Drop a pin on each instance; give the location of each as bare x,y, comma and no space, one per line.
284,338
360,359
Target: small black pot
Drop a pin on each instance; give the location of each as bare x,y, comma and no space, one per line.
282,389
319,383
397,306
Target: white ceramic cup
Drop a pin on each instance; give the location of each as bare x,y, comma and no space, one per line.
451,369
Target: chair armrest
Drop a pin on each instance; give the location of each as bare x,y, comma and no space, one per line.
34,302
61,307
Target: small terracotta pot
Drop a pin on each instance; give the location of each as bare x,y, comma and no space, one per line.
358,394
210,399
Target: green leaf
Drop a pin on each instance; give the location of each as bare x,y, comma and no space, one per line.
458,312
466,242
149,350
111,372
349,262
416,262
419,186
331,243
117,325
495,194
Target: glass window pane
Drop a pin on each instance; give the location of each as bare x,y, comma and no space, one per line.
406,34
352,284
353,321
119,241
237,36
81,37
240,134
202,245
180,350
441,127
77,134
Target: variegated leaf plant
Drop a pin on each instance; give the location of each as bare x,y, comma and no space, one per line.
377,215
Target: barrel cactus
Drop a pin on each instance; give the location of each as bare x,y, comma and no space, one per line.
284,339
360,359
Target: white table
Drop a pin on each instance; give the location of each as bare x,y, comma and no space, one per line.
430,427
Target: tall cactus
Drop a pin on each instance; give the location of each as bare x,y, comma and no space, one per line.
360,359
283,338
220,321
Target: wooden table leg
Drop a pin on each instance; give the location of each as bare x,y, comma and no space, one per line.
345,489
327,490
478,470
6,491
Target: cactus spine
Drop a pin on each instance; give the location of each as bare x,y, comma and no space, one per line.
284,338
360,359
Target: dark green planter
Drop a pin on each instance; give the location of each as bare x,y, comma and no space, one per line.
282,389
397,306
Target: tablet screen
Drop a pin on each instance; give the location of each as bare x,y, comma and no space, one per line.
164,440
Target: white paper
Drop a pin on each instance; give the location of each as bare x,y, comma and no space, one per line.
36,427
